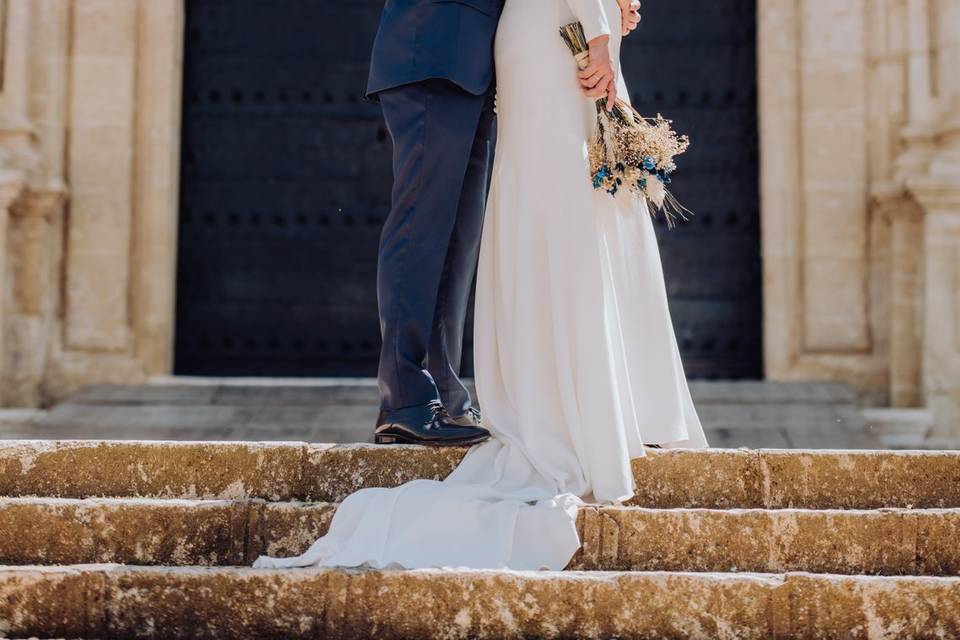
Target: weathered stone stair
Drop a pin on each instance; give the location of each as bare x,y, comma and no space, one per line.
234,532
152,539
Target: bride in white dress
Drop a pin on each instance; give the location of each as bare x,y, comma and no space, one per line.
577,365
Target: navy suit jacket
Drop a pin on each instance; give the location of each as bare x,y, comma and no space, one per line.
424,39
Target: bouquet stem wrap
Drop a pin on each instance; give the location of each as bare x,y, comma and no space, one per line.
583,59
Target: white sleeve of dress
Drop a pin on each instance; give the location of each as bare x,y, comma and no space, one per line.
592,16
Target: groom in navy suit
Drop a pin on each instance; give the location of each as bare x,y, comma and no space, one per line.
433,73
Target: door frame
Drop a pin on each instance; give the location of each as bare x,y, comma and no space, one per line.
156,155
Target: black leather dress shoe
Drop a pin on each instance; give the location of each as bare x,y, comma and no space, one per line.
469,419
426,424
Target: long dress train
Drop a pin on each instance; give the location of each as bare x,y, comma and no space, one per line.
577,364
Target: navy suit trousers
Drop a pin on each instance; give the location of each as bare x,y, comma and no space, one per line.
443,141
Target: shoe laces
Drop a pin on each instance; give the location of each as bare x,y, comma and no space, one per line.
440,411
437,408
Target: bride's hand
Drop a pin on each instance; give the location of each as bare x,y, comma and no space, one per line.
599,79
629,15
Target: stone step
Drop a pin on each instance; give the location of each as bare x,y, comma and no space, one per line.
96,601
713,478
235,532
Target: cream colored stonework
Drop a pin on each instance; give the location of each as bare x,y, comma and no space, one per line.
859,111
89,129
860,181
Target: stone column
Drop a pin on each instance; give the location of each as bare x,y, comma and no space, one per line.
11,186
813,82
947,25
16,159
35,219
157,170
100,169
16,129
939,194
905,300
780,183
834,176
918,135
14,98
941,301
937,188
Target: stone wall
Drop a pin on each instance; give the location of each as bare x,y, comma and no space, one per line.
860,144
860,179
89,128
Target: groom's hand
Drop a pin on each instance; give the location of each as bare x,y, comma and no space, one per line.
599,79
629,15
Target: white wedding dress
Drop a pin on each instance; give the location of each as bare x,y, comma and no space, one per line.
577,365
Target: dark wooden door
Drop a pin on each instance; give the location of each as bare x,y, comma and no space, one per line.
285,181
695,62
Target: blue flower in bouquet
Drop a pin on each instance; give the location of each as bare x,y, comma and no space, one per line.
663,177
642,184
649,163
602,174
